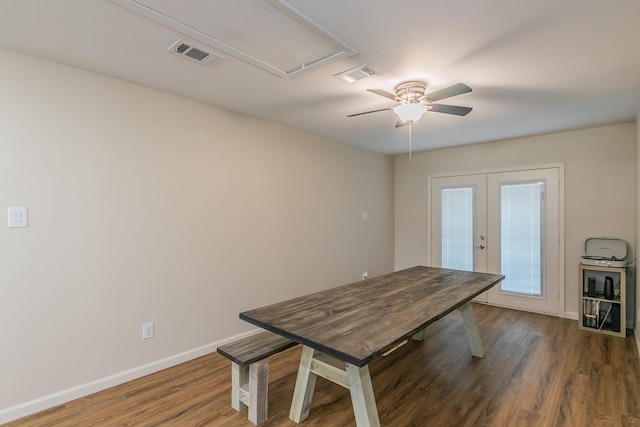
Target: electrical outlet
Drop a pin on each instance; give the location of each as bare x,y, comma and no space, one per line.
365,275
147,330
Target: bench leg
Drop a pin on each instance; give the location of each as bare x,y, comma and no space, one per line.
471,328
239,378
258,391
249,389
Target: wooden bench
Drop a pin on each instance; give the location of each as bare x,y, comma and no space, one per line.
250,371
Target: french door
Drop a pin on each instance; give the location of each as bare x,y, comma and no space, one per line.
501,222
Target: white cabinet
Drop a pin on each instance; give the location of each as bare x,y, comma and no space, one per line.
602,306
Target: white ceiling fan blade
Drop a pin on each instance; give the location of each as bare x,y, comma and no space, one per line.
367,112
383,93
448,92
450,109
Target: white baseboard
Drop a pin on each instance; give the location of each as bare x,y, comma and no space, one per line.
63,396
571,315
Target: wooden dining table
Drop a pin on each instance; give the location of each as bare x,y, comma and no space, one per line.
343,329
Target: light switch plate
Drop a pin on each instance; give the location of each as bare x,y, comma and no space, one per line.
147,330
17,218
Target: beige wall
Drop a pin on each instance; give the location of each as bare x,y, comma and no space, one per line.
149,207
600,189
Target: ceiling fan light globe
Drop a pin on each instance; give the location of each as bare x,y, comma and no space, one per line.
410,113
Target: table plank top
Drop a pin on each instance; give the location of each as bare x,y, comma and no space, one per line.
358,322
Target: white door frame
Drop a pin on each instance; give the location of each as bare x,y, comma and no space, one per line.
561,239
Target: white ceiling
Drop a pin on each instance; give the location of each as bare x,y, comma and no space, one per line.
535,66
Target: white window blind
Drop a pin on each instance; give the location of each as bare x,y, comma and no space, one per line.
521,237
457,228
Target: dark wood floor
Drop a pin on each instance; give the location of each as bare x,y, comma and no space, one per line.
538,371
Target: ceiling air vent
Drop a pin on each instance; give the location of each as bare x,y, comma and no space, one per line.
188,50
354,74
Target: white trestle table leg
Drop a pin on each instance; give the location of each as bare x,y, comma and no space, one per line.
305,383
357,380
418,336
364,402
472,330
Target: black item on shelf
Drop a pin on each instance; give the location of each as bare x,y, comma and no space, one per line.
603,316
615,317
591,290
608,287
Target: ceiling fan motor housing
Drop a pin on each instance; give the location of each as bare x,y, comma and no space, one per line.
411,92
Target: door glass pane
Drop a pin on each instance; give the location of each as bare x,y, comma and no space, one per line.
521,238
457,228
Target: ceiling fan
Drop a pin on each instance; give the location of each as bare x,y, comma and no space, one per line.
413,101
